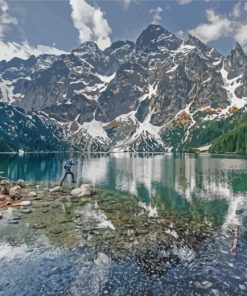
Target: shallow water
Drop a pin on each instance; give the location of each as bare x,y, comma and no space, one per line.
208,188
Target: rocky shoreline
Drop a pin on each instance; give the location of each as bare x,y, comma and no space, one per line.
110,222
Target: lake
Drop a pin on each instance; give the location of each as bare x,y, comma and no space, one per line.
210,189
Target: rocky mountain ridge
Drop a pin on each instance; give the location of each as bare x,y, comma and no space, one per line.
151,95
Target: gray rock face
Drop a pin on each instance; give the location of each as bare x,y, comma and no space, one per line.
35,131
123,98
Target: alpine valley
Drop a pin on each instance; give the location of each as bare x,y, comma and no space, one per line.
157,94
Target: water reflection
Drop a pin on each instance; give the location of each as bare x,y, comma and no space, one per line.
183,182
208,188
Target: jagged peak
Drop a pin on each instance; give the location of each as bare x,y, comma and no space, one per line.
151,35
88,45
155,27
237,48
154,30
192,40
119,44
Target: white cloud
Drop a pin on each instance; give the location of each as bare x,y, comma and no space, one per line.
241,35
24,50
126,3
236,12
5,18
90,23
9,50
184,2
232,25
156,14
216,27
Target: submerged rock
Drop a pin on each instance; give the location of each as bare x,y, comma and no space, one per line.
12,221
15,192
39,226
142,231
239,212
56,231
26,203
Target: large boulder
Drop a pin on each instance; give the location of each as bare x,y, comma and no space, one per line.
21,183
15,192
85,190
4,186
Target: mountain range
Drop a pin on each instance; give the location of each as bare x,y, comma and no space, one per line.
156,94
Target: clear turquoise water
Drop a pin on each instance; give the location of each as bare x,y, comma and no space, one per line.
206,186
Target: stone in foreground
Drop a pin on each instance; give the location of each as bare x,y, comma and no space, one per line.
32,194
15,192
56,189
85,190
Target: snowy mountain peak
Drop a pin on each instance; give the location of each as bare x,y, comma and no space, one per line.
152,37
238,50
87,47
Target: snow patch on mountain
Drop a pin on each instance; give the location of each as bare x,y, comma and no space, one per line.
95,129
7,91
231,85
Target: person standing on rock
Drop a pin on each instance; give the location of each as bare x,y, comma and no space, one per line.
67,167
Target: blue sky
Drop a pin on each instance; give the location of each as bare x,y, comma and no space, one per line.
33,26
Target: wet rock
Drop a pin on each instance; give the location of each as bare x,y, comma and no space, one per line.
12,221
45,211
55,231
16,218
39,226
85,190
15,192
56,189
26,211
65,221
74,200
21,183
242,287
2,197
2,178
26,203
79,224
128,225
32,194
142,231
101,259
239,212
4,186
4,182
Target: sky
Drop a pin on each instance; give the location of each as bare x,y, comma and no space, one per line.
55,26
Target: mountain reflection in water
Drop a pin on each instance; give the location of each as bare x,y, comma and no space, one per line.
212,188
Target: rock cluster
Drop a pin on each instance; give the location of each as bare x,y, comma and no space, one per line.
11,191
